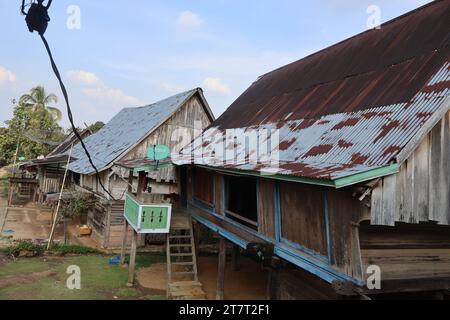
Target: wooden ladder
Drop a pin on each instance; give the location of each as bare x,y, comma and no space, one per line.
182,272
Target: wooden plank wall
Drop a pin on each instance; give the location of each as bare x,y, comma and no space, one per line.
345,213
266,208
303,216
407,251
420,191
185,118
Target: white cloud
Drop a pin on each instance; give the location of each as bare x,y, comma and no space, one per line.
83,77
216,85
115,97
170,88
190,19
6,75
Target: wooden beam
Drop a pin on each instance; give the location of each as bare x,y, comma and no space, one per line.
124,242
132,260
235,257
221,269
130,181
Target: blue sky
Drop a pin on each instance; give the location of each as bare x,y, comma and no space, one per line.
132,53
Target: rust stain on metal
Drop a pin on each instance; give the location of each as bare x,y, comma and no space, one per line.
344,144
358,158
318,150
391,150
284,145
386,129
347,123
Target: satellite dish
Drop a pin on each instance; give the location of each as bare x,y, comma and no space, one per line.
158,152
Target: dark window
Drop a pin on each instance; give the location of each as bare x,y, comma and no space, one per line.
204,186
241,204
76,178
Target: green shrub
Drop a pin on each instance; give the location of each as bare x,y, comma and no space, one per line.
73,249
28,246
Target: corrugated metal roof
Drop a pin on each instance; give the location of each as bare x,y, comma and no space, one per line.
124,131
349,108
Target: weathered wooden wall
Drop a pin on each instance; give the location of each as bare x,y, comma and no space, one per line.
303,216
180,125
266,208
420,192
407,251
316,220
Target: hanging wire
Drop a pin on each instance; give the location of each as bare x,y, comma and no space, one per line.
69,113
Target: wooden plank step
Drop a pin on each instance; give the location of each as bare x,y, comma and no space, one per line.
183,272
185,283
183,263
180,237
181,254
193,292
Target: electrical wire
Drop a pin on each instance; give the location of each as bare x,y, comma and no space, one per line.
69,113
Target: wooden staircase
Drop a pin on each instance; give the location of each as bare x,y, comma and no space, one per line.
182,273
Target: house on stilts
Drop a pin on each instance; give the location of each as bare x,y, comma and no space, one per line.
335,169
128,136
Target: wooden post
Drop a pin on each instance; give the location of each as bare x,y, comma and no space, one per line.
130,181
221,269
55,220
132,260
196,230
124,242
235,258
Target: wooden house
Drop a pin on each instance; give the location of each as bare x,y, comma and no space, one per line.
336,168
128,136
50,170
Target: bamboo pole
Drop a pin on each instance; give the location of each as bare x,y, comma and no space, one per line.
50,238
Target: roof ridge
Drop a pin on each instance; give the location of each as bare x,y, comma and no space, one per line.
162,100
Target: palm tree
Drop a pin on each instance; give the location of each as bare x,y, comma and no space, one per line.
38,100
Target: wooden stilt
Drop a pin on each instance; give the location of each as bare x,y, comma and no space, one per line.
132,260
221,269
272,283
124,242
235,258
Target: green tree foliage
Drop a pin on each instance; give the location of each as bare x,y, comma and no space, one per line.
96,126
38,101
29,127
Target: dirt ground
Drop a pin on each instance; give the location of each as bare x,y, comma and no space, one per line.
248,283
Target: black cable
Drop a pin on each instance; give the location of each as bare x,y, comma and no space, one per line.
69,113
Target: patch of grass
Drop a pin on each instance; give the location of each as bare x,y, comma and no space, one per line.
24,266
99,280
127,293
155,297
144,260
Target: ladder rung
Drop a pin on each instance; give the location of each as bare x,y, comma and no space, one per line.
181,254
180,237
180,245
183,272
182,263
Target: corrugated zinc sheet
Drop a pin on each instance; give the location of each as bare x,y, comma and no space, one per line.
125,130
376,68
344,110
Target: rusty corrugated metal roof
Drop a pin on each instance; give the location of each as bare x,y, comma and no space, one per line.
349,108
